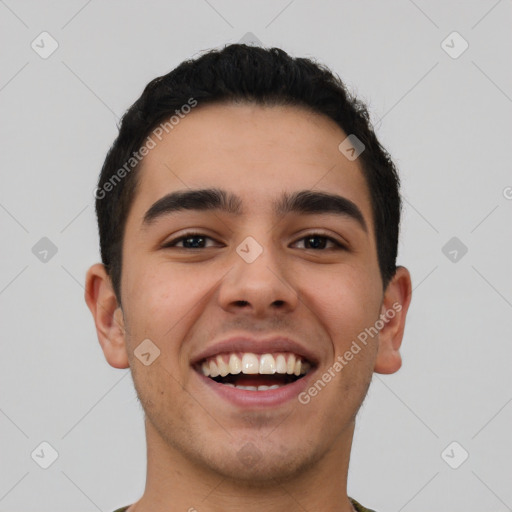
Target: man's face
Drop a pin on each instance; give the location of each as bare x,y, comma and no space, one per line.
260,278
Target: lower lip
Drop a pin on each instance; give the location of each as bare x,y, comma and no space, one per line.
266,398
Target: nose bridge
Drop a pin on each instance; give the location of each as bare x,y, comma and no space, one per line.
257,279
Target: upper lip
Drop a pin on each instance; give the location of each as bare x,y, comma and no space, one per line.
267,345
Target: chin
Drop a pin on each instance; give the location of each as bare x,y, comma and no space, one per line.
257,465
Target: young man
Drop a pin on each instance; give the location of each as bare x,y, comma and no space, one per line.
249,223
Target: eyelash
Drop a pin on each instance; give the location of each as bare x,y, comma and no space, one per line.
172,243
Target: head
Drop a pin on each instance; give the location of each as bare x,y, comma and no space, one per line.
241,74
243,228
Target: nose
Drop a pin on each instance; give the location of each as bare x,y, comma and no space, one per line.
260,287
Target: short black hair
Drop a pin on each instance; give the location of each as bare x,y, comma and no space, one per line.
241,73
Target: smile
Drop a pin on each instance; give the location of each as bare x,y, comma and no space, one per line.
255,372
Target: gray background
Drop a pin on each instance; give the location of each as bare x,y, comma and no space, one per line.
446,122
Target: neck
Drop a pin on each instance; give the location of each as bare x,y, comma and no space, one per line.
175,483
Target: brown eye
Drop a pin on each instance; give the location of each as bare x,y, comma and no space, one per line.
189,241
319,242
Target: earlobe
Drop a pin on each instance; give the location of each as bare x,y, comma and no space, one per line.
395,305
108,316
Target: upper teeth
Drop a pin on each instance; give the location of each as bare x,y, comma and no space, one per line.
252,364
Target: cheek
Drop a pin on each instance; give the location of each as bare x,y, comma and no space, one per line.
162,299
346,303
158,306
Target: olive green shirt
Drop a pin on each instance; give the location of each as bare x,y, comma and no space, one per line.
357,506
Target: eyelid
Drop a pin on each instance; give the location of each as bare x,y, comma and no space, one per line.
173,241
190,234
327,236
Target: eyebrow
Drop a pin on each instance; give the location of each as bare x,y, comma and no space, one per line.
302,202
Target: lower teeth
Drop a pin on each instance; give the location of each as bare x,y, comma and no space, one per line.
254,388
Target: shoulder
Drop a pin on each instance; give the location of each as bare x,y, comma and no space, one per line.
358,506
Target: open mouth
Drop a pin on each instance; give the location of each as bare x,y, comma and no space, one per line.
255,372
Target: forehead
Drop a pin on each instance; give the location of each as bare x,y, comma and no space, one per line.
255,152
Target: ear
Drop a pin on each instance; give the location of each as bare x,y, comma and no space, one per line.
395,305
108,316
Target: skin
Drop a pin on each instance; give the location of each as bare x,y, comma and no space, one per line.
184,300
